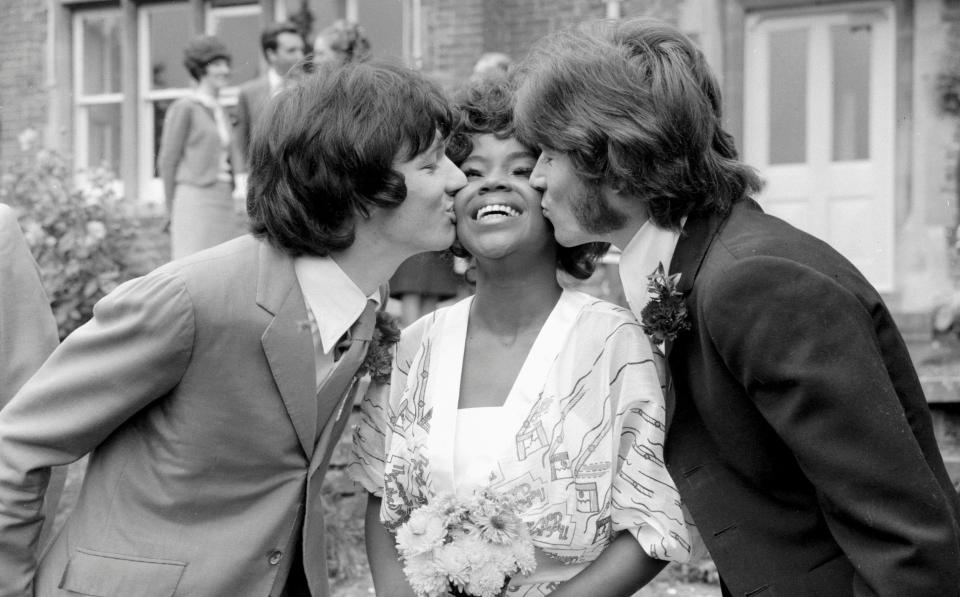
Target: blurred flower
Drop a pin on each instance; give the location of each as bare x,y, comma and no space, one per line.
96,230
27,138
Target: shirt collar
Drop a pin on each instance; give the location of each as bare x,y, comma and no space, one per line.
207,101
332,297
274,80
649,247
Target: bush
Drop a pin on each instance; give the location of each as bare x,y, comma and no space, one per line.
78,233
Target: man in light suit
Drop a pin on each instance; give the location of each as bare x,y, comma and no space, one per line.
28,331
282,47
210,393
797,431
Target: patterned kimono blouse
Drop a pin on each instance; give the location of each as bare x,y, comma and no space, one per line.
582,433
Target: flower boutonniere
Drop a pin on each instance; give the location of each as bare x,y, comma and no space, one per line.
379,360
665,315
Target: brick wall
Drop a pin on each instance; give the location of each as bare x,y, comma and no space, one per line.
456,32
23,99
452,39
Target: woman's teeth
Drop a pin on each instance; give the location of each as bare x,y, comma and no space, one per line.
496,211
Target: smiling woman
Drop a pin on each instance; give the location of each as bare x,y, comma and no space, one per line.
199,156
524,389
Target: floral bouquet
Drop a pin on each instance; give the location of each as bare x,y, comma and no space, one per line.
465,547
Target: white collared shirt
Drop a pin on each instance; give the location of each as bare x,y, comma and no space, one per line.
648,248
223,131
275,81
334,302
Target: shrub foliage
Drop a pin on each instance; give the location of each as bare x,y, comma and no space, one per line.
78,233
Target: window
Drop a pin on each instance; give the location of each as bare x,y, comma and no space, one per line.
239,28
164,31
97,92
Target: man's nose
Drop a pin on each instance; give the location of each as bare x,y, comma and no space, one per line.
537,179
456,179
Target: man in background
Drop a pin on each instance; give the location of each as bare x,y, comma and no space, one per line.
282,46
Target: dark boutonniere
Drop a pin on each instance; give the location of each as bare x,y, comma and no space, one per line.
665,315
379,360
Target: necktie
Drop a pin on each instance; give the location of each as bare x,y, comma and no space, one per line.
347,356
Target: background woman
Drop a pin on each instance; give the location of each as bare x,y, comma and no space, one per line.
198,156
340,43
539,391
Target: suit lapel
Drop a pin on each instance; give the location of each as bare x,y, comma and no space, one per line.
699,232
335,393
287,342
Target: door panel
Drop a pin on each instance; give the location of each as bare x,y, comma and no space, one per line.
819,125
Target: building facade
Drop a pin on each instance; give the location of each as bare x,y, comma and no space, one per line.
836,103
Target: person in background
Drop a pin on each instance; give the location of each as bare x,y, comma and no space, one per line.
491,64
283,47
210,393
797,430
542,392
340,43
199,156
28,334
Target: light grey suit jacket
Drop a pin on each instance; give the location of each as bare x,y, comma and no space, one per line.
190,148
194,388
28,330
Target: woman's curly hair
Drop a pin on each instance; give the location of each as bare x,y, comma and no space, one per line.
485,106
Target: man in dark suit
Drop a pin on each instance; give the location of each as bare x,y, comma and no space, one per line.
797,431
283,47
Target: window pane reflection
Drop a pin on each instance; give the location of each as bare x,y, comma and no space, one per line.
103,136
169,31
788,96
851,91
241,34
101,54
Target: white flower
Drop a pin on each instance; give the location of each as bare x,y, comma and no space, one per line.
485,581
498,524
422,533
454,562
96,230
424,576
523,555
27,138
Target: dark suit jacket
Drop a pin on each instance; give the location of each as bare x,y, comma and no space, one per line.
253,95
798,433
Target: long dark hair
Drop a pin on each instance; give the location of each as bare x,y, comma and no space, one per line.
636,107
323,152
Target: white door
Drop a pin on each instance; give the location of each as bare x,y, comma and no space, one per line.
819,125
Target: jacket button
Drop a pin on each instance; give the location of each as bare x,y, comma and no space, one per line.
275,557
